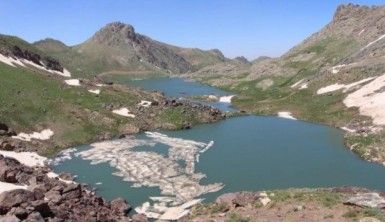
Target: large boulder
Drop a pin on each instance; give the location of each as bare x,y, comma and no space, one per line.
42,207
72,191
120,206
371,199
9,218
34,217
19,212
14,198
238,199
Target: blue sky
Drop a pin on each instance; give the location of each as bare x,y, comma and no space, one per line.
238,27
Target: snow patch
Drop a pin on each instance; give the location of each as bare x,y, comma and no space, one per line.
348,129
4,187
43,135
370,99
300,84
123,112
304,86
226,99
212,97
330,88
373,42
10,61
21,62
145,103
297,83
362,31
94,91
55,175
65,72
72,82
336,69
30,159
337,86
286,115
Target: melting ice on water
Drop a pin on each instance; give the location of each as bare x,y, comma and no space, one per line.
179,184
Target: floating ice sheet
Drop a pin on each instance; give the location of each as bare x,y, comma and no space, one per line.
174,173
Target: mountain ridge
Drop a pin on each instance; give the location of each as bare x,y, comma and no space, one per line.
118,46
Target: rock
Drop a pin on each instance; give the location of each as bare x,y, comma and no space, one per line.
242,199
51,199
373,200
108,83
72,191
120,206
14,198
245,198
41,207
19,212
264,199
5,145
11,133
54,197
34,217
139,218
9,218
66,176
298,208
39,193
226,199
186,125
129,129
4,127
369,219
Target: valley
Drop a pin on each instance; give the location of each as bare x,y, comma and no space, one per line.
184,134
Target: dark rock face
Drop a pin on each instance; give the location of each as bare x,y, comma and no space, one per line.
5,130
4,127
49,199
31,55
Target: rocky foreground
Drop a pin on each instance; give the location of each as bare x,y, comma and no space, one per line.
41,196
334,204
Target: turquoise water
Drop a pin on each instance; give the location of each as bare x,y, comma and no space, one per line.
177,87
250,153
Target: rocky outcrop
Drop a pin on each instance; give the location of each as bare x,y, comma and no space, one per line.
242,199
334,204
14,47
5,130
53,199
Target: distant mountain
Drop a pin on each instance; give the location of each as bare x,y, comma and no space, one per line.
354,38
117,47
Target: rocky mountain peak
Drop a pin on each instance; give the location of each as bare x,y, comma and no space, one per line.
114,32
241,59
347,11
